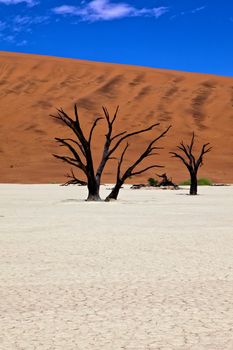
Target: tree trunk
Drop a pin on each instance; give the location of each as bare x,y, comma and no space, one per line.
93,191
193,185
115,191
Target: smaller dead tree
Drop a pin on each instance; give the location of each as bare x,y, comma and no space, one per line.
191,163
130,171
166,181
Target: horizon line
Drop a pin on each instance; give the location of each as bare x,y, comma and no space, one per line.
116,63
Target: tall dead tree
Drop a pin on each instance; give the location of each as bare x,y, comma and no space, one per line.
191,163
81,150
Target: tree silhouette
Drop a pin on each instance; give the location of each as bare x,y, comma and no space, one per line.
166,181
191,163
129,172
80,148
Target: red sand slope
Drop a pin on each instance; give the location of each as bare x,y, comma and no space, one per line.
31,87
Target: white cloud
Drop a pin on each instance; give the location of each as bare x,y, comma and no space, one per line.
97,10
65,10
15,2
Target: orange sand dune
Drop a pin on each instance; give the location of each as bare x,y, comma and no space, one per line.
32,87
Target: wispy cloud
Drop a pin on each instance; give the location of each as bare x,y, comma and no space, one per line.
183,13
28,20
14,30
15,2
198,9
105,10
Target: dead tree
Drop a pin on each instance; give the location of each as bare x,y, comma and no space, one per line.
166,181
130,171
191,162
81,151
73,180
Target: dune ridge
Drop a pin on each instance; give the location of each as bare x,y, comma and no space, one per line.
33,86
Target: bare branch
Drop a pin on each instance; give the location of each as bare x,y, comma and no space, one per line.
64,142
64,116
61,119
118,135
176,155
109,122
185,151
78,144
76,115
115,115
190,147
121,160
108,140
150,147
92,129
153,154
144,155
74,180
132,134
78,128
204,150
73,151
69,160
106,114
73,125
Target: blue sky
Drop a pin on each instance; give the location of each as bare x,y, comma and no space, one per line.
188,35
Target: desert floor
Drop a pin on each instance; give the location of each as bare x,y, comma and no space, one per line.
153,270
